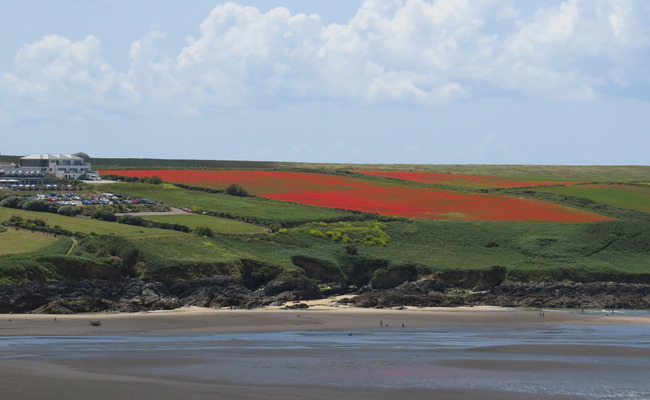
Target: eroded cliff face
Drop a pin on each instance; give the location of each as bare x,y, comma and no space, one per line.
475,280
226,291
319,270
137,295
255,284
435,293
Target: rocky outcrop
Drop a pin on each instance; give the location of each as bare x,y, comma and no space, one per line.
226,291
569,295
392,277
137,295
297,287
475,280
435,293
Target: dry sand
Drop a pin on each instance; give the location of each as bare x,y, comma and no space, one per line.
323,315
103,378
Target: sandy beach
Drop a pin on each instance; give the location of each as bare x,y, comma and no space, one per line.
174,374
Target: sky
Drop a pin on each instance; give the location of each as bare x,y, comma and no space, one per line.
335,81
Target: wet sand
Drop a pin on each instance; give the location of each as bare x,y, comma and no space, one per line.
321,316
131,377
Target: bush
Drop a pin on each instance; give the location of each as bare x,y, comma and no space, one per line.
154,180
12,202
69,211
104,215
317,233
36,205
370,233
131,220
236,190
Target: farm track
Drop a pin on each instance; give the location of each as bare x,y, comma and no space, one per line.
74,244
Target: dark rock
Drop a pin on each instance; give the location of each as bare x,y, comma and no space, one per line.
433,293
333,288
136,295
297,306
390,278
300,288
475,280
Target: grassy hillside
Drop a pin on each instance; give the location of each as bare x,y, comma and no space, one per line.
84,225
635,197
217,225
19,241
253,209
351,243
380,195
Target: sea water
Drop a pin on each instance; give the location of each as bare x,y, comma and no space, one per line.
394,358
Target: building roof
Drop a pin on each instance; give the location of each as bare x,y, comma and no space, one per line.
50,156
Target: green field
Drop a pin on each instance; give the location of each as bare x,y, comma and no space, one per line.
599,173
217,225
247,208
18,241
84,225
635,197
617,250
186,248
542,250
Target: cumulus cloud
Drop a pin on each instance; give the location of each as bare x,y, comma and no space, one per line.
391,51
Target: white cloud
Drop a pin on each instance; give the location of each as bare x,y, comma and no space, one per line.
395,51
56,75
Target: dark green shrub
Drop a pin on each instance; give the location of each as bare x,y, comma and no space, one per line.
154,180
104,215
39,205
69,211
236,190
204,231
13,202
131,220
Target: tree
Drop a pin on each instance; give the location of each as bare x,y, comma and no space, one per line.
236,190
69,211
105,216
132,220
155,180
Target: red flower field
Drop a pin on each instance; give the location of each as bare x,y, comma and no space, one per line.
478,181
334,191
256,182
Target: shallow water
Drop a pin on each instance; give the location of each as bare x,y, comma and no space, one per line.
397,358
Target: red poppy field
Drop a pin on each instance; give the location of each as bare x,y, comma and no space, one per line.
475,181
334,191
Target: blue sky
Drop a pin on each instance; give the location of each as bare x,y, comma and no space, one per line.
374,81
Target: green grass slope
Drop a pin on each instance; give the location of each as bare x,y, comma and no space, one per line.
635,197
551,172
217,225
254,209
83,225
617,250
16,241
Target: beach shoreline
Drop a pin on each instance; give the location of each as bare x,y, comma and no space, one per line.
162,375
322,315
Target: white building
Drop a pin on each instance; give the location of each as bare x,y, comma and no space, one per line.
62,166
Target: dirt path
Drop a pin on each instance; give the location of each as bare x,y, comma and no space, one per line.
74,244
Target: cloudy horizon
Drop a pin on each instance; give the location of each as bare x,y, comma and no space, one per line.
374,81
